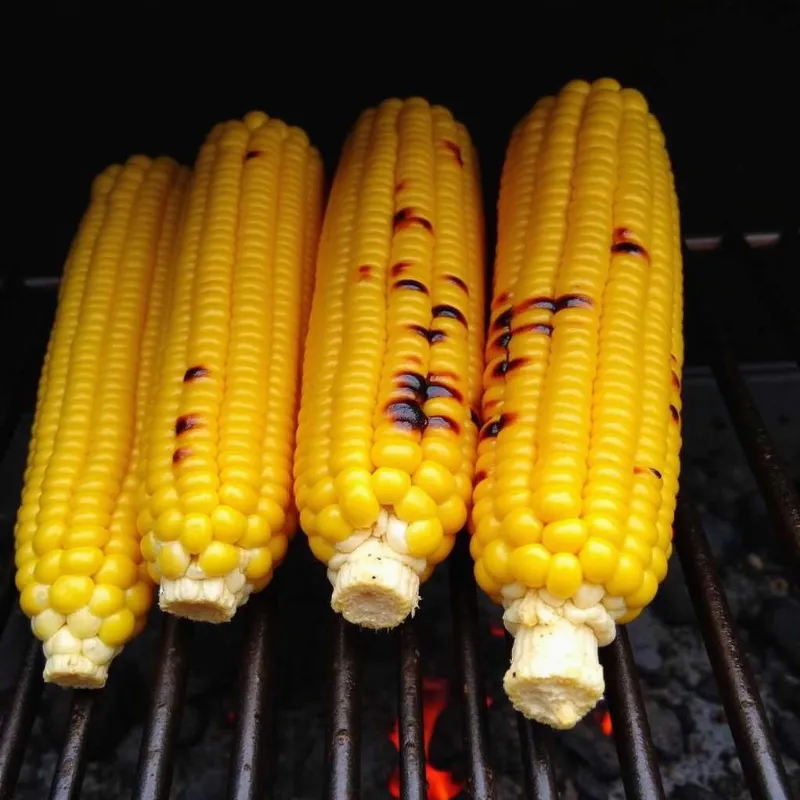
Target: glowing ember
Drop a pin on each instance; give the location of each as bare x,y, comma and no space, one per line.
497,631
441,785
603,720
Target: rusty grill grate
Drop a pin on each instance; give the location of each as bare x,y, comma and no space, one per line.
21,307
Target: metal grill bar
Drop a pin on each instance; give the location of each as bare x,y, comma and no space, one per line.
19,718
253,735
755,744
540,781
637,757
469,673
343,753
156,756
413,783
71,764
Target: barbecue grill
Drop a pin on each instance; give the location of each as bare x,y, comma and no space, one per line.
27,304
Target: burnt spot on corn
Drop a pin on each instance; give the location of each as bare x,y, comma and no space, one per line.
406,218
673,358
435,336
545,303
647,471
535,327
676,415
455,150
676,381
193,373
407,414
399,186
501,299
573,301
492,428
420,330
400,267
508,365
180,454
410,283
656,472
503,321
411,381
252,154
623,242
449,311
479,476
364,272
187,422
475,417
456,281
503,340
441,422
438,389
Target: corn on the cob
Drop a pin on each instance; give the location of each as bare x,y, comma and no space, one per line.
578,456
214,506
80,574
387,434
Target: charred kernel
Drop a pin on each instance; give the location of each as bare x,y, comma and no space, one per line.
443,423
673,358
439,389
455,150
180,454
573,301
493,428
537,302
503,341
676,416
456,281
186,423
479,476
503,321
364,272
676,381
252,154
406,217
400,267
535,327
623,242
449,311
193,373
501,299
419,330
411,380
410,283
508,366
407,414
435,336
500,369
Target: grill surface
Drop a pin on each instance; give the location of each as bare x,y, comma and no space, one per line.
251,754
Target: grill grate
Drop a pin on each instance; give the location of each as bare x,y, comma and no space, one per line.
252,753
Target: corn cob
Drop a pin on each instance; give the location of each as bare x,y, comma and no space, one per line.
79,572
387,434
577,467
214,498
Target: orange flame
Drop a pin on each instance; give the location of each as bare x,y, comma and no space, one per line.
441,785
603,719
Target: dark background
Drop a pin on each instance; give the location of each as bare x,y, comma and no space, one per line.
723,79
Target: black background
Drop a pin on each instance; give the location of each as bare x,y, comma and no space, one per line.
723,78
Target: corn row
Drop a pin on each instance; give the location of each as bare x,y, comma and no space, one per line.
214,506
578,454
77,548
387,433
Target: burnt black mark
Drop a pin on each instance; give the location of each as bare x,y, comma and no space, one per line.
449,311
180,454
187,422
656,472
623,242
439,389
573,301
407,414
492,428
503,340
676,415
647,470
400,267
420,330
535,327
676,381
193,373
441,422
412,381
456,281
365,272
435,336
406,217
479,476
503,321
545,303
507,366
475,417
410,283
455,150
253,154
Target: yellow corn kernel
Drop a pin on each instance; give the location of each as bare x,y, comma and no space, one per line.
77,515
219,437
387,440
579,450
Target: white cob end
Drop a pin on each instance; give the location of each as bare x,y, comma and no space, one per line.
77,663
202,599
374,588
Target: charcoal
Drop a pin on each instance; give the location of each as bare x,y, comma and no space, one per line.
665,728
691,791
787,729
596,750
779,624
645,647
